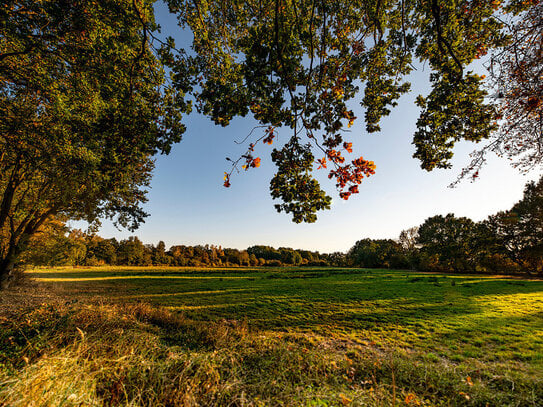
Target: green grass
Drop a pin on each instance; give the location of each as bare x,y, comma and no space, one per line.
323,336
477,317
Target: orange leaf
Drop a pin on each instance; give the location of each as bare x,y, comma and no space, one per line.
344,400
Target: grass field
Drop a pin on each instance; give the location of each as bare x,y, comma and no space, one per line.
306,336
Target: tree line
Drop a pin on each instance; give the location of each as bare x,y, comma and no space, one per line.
510,241
59,247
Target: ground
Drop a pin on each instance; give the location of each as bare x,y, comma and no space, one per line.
300,336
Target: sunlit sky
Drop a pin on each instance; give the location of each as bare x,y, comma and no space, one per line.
188,204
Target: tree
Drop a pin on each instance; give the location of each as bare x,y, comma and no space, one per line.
253,261
178,255
290,256
83,111
133,252
296,64
159,254
85,105
232,256
385,253
105,251
516,77
519,231
408,242
337,259
54,245
264,252
451,240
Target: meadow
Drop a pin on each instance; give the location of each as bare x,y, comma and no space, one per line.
271,336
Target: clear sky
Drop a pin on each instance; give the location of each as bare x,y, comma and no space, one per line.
188,204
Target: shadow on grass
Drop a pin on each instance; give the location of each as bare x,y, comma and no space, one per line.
413,307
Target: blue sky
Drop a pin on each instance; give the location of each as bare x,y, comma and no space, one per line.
188,204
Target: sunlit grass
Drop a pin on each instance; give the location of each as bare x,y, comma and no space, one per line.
426,332
390,308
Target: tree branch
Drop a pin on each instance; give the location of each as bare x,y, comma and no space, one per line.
436,13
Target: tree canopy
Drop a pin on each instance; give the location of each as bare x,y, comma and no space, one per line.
83,111
298,63
452,240
516,77
519,230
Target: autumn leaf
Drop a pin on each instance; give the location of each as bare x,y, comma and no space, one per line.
411,398
465,395
322,162
345,400
226,180
270,135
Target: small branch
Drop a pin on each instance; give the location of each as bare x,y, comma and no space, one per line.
249,135
441,40
27,49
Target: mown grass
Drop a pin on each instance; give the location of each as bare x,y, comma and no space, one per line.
164,336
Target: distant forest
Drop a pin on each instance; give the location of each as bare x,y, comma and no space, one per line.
508,242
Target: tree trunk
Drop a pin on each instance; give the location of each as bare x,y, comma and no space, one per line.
7,264
7,267
18,242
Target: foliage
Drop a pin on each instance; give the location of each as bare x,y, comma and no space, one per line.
85,104
519,231
507,242
293,183
516,78
381,253
56,245
408,242
53,245
297,65
83,112
452,240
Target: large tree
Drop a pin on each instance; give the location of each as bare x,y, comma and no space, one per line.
297,64
452,241
371,253
518,232
84,104
83,111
